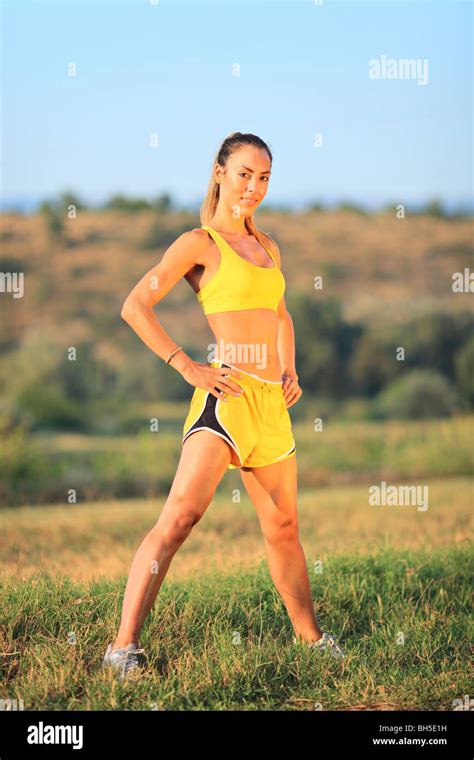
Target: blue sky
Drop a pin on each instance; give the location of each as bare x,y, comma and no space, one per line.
166,68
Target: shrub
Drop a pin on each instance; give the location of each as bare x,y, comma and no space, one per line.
420,393
45,407
324,343
19,461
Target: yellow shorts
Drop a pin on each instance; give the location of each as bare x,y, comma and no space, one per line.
256,425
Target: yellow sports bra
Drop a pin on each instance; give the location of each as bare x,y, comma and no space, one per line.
238,284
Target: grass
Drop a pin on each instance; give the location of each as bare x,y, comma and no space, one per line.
87,541
224,642
394,587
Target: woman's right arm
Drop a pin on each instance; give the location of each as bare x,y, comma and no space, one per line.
186,251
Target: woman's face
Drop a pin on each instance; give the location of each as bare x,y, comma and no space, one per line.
243,184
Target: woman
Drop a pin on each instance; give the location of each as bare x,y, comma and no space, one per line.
238,415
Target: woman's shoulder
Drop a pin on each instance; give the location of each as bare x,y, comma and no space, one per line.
201,243
197,233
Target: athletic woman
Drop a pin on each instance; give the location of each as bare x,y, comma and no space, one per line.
238,415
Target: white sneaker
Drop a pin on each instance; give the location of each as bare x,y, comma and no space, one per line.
124,661
328,642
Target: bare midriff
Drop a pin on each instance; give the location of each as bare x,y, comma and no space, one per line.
247,339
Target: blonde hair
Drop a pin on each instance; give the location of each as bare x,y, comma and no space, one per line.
230,145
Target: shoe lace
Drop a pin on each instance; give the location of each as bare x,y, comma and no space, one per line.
328,639
131,660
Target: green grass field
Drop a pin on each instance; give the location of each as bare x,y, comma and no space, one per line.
395,586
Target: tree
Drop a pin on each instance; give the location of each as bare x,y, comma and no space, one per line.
324,344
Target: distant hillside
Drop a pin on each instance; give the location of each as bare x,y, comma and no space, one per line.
382,268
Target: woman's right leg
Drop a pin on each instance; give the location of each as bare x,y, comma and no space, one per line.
204,460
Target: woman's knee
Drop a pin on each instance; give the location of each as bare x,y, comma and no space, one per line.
283,529
178,519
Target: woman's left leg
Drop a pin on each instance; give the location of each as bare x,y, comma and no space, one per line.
273,491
